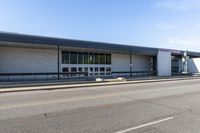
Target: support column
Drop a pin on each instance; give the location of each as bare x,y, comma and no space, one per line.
58,61
154,65
164,63
131,65
185,63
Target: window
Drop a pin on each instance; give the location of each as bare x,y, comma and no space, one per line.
80,69
108,58
108,69
65,69
86,70
96,69
102,69
91,58
80,58
65,57
96,74
96,58
91,69
175,66
73,57
108,73
73,69
102,58
85,58
102,74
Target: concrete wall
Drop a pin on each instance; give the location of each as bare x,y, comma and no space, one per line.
141,63
23,60
121,62
164,63
194,65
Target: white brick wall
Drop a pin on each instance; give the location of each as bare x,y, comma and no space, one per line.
141,63
24,60
164,63
121,62
18,60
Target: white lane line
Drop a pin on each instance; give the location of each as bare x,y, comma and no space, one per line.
145,125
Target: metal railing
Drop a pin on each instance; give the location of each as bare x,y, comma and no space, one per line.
135,73
41,76
68,75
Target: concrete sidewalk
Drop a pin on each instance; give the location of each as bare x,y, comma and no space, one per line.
69,85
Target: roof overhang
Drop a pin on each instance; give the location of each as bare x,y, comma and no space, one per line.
32,41
11,39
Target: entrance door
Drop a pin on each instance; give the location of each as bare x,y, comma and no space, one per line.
175,67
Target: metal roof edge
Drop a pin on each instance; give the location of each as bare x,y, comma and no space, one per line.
37,39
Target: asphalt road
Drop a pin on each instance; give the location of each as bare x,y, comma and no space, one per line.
161,107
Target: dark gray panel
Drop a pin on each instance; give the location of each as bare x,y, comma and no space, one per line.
41,40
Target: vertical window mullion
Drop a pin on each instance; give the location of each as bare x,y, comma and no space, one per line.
69,58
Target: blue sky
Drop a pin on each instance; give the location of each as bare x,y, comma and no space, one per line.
154,23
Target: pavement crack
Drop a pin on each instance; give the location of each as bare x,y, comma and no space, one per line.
165,106
46,115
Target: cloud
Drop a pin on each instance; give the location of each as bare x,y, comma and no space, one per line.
178,5
166,26
185,43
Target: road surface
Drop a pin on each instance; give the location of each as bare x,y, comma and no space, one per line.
160,107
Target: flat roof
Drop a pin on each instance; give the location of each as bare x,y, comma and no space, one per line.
42,40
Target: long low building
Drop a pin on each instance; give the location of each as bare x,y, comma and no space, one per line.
25,56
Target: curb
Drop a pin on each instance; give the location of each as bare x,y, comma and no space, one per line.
82,85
